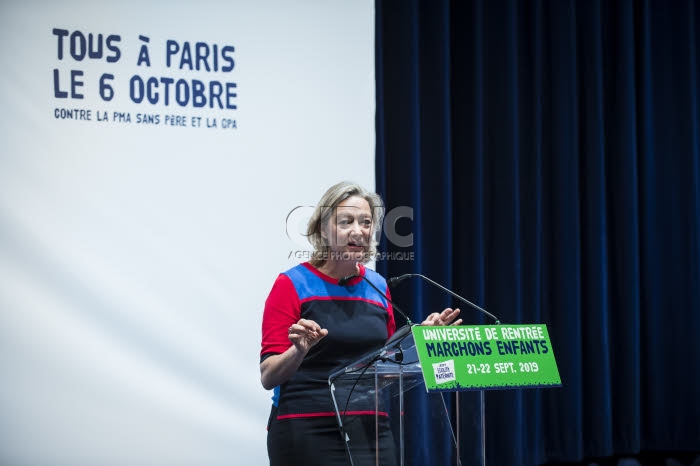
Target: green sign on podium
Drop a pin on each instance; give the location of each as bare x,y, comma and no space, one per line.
479,357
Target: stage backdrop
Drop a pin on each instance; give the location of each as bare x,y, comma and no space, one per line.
150,156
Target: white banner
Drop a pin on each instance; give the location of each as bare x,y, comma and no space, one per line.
150,155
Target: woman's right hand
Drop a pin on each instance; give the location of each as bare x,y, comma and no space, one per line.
305,334
278,368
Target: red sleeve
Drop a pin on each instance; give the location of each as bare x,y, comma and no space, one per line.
282,309
391,323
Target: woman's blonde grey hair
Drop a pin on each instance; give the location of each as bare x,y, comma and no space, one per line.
325,209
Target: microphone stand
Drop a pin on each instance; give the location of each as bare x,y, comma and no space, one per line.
344,281
396,280
482,399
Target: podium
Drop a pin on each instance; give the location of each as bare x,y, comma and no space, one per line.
381,398
435,376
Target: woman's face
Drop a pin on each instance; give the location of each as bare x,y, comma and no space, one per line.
349,230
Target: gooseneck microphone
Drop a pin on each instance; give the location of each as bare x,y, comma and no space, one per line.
345,280
392,282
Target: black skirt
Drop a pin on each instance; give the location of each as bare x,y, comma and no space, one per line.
318,441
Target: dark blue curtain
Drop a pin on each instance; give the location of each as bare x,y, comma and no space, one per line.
550,151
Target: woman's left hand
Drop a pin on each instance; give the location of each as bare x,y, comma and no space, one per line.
446,317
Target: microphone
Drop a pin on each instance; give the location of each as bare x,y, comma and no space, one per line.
400,333
344,281
396,280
